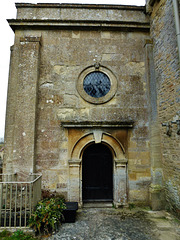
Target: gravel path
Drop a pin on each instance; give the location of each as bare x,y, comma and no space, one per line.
118,224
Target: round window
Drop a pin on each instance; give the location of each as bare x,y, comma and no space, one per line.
96,86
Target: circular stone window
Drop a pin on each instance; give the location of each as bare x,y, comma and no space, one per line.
97,86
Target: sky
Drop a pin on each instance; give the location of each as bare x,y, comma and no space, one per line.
8,11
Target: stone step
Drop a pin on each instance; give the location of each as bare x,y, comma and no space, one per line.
98,205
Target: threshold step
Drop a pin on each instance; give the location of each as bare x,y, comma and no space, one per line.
98,205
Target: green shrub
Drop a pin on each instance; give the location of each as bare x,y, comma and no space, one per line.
47,215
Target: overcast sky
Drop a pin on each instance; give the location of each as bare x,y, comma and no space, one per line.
8,11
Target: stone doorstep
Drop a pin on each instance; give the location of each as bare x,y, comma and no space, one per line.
162,224
168,236
98,205
157,214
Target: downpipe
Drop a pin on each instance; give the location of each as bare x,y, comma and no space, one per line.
177,24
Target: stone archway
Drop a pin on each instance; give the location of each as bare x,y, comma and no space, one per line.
119,166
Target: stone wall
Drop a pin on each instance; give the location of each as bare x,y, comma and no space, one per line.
165,52
52,48
60,68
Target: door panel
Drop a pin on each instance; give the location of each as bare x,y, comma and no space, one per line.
97,168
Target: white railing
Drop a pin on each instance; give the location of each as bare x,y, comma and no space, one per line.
19,194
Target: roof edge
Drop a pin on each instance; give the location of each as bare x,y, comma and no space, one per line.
38,24
74,5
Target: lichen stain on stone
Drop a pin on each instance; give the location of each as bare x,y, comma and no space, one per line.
64,114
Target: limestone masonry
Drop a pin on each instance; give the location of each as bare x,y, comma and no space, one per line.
92,86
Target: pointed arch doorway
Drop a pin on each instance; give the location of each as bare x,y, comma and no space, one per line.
97,173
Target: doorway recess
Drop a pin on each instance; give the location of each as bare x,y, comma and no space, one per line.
97,173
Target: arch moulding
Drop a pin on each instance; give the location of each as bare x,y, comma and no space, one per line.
97,136
119,166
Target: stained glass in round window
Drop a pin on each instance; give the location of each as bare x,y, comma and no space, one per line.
96,84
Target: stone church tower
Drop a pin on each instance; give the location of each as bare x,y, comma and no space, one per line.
83,105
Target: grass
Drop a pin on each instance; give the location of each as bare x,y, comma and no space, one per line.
18,235
131,206
176,220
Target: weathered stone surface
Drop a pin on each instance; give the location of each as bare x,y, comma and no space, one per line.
165,107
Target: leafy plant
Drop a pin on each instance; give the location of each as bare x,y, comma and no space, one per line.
48,215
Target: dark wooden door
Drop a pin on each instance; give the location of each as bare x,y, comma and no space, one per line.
97,170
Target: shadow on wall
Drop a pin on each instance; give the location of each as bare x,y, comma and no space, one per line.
1,157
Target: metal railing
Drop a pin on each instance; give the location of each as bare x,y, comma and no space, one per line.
19,194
